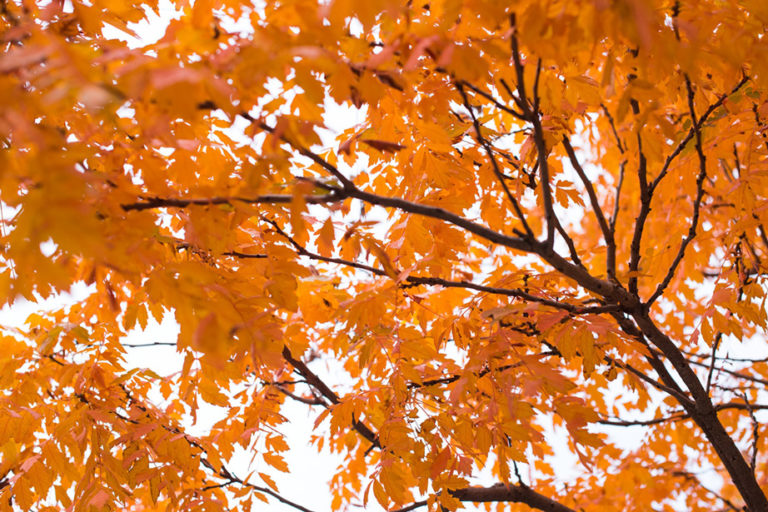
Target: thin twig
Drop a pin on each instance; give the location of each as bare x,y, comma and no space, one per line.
611,253
711,371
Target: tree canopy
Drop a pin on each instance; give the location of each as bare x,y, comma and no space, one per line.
453,230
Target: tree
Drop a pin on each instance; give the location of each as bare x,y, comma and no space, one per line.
549,220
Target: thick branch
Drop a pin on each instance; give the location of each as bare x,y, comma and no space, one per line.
510,493
705,415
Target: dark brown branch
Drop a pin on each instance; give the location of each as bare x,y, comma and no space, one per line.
608,290
728,358
304,400
222,471
233,479
166,202
511,494
517,293
610,257
508,493
493,100
449,379
536,99
678,415
734,373
696,202
642,423
531,113
569,242
328,393
613,128
688,476
412,506
645,209
712,361
153,344
755,432
692,131
705,415
652,357
245,256
607,235
575,309
494,163
668,386
333,170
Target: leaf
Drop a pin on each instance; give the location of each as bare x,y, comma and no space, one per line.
325,238
268,480
383,146
276,461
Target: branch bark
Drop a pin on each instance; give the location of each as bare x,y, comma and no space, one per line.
510,493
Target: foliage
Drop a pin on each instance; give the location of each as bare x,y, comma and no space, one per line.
549,220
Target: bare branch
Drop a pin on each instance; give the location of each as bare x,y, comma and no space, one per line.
410,281
613,128
711,372
755,432
678,415
501,493
690,477
333,170
153,344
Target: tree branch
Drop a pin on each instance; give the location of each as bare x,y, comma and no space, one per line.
496,170
531,113
446,283
692,131
607,235
493,100
610,257
696,203
645,208
160,202
510,493
328,393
